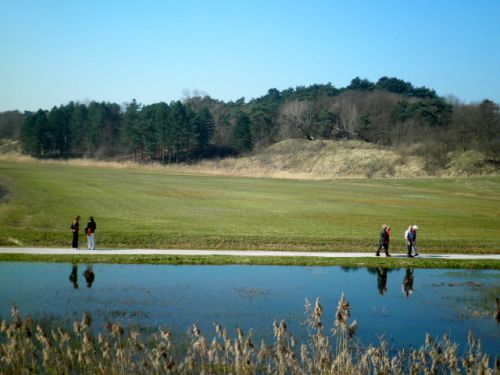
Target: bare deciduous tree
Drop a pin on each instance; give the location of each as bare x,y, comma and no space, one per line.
298,115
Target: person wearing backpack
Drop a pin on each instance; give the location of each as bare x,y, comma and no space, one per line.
384,240
89,230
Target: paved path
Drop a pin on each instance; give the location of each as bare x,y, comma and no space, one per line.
49,251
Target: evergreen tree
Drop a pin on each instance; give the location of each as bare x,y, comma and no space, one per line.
131,132
204,126
163,129
32,136
241,135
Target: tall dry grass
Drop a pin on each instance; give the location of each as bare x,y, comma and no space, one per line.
297,159
27,347
300,159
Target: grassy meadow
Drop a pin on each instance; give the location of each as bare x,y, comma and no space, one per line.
167,208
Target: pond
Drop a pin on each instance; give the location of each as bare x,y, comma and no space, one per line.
400,304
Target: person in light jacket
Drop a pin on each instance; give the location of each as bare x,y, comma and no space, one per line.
89,231
411,240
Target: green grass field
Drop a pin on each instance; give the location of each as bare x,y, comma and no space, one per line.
158,208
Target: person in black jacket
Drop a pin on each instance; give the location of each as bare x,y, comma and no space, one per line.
89,231
75,228
384,240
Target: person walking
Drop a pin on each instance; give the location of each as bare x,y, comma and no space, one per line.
89,230
384,240
411,240
75,228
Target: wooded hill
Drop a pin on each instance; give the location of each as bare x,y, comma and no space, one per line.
390,112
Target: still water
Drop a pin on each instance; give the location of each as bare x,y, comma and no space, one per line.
400,304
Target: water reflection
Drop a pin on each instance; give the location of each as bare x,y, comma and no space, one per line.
252,297
89,275
73,277
407,287
382,280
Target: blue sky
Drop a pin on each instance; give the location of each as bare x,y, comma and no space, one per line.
52,52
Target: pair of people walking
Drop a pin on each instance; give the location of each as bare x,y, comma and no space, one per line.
410,238
89,231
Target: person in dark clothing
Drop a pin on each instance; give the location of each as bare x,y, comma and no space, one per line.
407,286
75,228
73,277
384,240
89,231
89,276
382,280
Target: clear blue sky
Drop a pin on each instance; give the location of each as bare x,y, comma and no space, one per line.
52,52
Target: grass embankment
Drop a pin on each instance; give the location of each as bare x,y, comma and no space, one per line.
255,260
158,208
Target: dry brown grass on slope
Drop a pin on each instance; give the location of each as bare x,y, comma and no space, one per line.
319,159
301,159
296,159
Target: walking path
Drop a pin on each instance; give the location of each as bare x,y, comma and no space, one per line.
253,253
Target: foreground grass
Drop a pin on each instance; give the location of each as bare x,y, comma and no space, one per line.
281,261
30,347
158,208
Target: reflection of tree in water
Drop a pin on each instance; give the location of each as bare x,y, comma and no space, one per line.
73,277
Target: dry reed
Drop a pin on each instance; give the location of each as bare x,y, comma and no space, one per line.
27,347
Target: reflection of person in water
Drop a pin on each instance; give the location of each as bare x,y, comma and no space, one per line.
89,276
73,277
382,280
407,286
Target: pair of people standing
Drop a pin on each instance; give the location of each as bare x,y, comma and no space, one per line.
89,231
410,238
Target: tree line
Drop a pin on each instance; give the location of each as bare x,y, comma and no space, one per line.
389,112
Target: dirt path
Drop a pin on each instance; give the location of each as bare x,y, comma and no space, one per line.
253,253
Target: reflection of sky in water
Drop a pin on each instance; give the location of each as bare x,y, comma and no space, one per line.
443,301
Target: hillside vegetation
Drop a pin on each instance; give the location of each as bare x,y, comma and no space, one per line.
340,159
417,129
301,159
